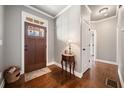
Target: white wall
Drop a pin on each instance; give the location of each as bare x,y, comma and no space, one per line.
68,28
106,39
12,35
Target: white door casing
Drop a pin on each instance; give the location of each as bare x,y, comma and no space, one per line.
93,45
24,15
85,52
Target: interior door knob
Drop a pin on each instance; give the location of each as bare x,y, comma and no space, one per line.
84,49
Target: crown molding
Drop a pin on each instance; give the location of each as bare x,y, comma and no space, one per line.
53,17
39,11
88,8
62,11
102,20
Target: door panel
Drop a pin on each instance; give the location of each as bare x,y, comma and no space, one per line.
85,46
29,53
40,52
35,47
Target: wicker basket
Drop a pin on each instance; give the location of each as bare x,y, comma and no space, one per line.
12,77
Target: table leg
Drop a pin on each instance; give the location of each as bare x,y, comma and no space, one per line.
70,69
62,64
73,67
66,69
66,66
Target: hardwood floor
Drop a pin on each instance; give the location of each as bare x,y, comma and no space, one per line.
93,78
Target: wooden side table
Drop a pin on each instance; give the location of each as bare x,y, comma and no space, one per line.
69,59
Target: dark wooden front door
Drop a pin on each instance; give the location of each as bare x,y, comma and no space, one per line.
35,47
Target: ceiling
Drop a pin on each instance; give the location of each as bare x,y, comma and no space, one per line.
95,15
52,10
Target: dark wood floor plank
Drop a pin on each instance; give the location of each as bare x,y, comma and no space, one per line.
93,78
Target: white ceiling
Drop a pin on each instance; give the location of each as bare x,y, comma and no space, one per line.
95,16
52,10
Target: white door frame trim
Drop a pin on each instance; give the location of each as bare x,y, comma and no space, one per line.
87,22
63,10
121,78
23,39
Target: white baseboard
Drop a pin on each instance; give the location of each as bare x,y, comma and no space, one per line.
80,75
106,61
50,63
121,79
2,84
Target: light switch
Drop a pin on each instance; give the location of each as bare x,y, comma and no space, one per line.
1,42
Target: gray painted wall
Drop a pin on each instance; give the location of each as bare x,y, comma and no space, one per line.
106,39
68,28
12,35
1,35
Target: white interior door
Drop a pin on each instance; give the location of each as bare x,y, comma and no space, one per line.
85,46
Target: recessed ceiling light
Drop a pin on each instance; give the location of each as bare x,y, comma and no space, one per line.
103,10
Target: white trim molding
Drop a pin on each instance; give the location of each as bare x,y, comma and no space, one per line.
105,19
46,14
51,63
2,84
88,8
106,61
121,79
24,14
61,12
39,11
79,75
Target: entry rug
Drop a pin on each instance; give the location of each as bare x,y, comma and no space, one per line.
37,73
